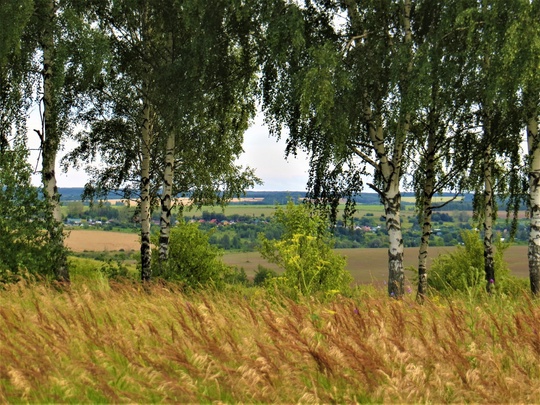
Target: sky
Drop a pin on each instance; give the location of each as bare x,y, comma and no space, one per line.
261,152
267,156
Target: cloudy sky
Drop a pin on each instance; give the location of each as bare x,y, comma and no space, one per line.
267,156
263,153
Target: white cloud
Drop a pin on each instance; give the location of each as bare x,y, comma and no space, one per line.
267,156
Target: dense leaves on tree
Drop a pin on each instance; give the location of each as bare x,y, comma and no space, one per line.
24,215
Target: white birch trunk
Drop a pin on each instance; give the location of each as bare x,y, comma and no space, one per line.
146,252
166,199
534,202
489,262
50,143
392,208
426,216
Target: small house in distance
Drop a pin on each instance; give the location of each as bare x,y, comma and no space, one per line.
74,221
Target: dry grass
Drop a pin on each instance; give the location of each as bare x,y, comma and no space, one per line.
127,344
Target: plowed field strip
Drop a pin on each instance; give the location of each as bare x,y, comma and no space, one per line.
99,241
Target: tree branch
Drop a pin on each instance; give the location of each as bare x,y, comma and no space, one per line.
365,158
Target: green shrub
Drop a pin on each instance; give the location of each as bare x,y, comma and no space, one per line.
463,269
262,274
192,260
305,253
236,276
25,216
115,269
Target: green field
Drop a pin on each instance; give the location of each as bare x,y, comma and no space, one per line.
436,199
268,210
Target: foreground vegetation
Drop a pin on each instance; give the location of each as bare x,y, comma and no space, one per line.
103,341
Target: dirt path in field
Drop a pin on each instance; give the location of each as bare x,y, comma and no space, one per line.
99,241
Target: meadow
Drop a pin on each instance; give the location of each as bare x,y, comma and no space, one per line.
119,342
371,265
101,340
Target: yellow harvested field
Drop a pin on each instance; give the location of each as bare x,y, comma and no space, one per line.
80,240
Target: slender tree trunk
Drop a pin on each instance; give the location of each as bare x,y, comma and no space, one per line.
391,198
146,252
534,202
489,262
392,207
389,163
166,199
426,217
392,171
50,143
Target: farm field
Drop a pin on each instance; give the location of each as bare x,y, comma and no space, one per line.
371,265
99,241
436,199
366,265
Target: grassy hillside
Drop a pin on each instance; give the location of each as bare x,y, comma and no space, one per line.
100,342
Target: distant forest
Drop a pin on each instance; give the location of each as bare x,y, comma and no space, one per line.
281,197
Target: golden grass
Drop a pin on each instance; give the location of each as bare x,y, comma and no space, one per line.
123,343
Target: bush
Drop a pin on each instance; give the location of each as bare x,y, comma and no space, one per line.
24,219
192,260
305,253
115,269
463,269
262,274
236,276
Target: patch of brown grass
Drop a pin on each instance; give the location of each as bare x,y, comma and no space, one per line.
126,343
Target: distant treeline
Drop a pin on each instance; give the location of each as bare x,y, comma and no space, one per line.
281,197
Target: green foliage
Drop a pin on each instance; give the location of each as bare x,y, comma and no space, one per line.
26,247
236,276
262,275
115,269
192,260
305,253
463,269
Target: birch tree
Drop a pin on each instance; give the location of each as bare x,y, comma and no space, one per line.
442,140
531,104
190,64
44,60
346,94
493,105
522,62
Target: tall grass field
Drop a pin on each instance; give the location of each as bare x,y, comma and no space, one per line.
100,341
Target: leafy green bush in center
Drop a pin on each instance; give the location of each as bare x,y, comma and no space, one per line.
305,253
192,259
